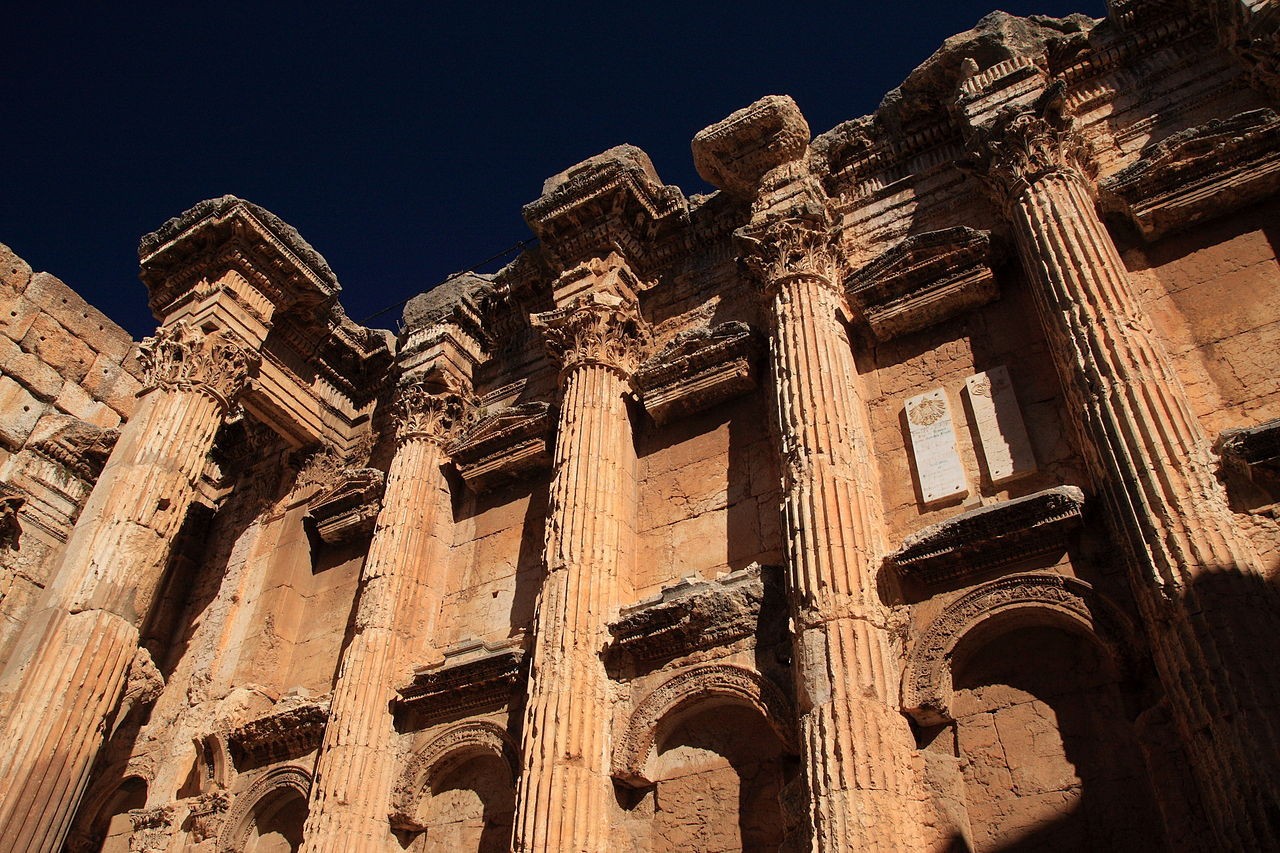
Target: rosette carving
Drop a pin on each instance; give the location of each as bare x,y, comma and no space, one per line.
595,328
422,411
179,357
1021,146
791,247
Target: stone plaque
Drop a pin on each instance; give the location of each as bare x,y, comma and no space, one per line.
1005,446
933,443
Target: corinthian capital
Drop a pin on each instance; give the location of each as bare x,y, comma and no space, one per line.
422,411
1021,146
180,357
790,247
595,328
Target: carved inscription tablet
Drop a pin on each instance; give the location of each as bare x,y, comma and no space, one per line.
1005,445
933,444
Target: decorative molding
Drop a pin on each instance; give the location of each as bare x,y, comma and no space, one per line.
10,527
80,447
284,733
504,445
179,357
1199,173
239,819
440,755
1040,598
206,815
596,328
691,615
735,153
697,370
474,676
990,537
152,828
347,510
634,746
926,279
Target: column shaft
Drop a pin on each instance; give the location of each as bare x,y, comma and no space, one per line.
859,751
565,789
351,794
1195,578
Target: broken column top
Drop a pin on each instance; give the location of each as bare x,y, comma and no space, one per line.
735,153
442,301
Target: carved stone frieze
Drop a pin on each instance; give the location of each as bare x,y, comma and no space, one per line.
206,814
80,447
504,445
925,279
698,369
473,676
990,537
152,828
286,732
183,358
1199,173
595,328
423,411
348,509
692,615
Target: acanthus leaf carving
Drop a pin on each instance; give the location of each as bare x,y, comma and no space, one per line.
422,411
595,328
180,357
1021,146
790,247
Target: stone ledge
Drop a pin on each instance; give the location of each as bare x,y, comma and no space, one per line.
279,735
990,537
699,369
474,675
505,445
349,509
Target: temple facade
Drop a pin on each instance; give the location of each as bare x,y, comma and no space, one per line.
915,490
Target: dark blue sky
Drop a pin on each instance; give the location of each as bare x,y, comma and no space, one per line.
401,139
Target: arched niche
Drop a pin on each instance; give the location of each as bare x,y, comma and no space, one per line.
458,791
106,826
268,816
1038,599
634,751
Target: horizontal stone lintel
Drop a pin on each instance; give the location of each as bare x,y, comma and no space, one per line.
349,509
505,446
473,676
699,370
990,537
282,734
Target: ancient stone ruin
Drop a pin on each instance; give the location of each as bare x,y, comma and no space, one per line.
916,490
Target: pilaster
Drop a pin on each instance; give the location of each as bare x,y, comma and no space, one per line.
109,574
565,789
1193,575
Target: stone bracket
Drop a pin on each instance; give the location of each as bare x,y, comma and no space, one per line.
473,676
698,370
990,537
925,279
505,445
1199,173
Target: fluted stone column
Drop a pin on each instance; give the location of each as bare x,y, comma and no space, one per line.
859,752
565,788
108,576
1210,616
351,795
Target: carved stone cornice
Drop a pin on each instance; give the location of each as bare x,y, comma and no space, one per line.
697,370
504,445
179,357
283,733
80,447
474,676
1021,146
787,248
735,153
1199,173
595,328
990,537
423,412
925,279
